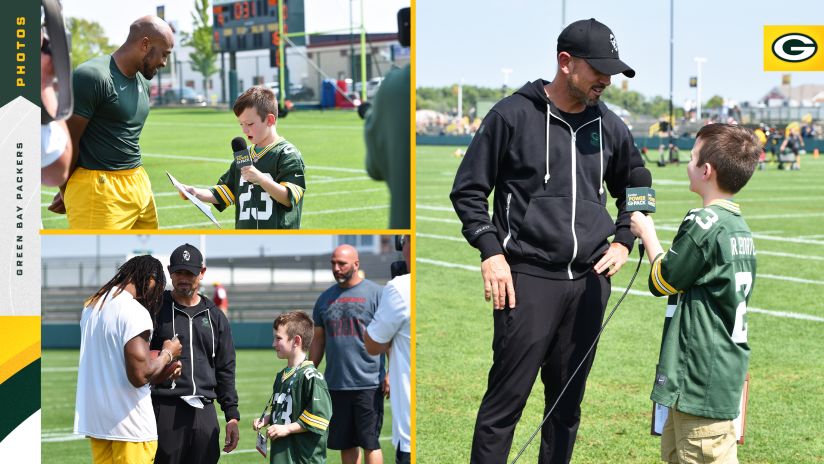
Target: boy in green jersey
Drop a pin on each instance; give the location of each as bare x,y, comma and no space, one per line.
269,193
301,407
711,268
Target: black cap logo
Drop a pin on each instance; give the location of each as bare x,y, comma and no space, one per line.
614,43
186,255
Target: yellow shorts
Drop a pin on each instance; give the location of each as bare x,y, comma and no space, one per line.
123,452
112,200
689,439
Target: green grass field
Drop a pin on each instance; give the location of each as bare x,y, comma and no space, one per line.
786,319
255,373
194,146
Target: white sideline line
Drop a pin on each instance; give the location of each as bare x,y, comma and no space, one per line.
308,213
760,276
762,236
434,219
768,312
434,208
227,160
281,125
325,194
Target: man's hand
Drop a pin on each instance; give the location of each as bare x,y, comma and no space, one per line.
277,431
613,259
232,436
386,386
57,205
251,174
498,282
178,371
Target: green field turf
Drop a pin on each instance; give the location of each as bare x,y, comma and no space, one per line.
255,374
784,209
194,146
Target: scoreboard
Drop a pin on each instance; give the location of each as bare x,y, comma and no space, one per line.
253,24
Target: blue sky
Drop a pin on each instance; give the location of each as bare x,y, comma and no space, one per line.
474,39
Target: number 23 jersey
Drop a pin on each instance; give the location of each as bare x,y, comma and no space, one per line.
301,396
256,209
704,352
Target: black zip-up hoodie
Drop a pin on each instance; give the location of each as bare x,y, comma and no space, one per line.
549,213
208,335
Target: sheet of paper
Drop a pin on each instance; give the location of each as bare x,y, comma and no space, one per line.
200,205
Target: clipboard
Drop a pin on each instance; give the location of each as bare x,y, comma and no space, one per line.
200,205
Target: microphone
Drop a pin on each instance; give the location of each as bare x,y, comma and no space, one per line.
241,152
640,194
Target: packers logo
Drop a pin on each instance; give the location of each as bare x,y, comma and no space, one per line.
793,48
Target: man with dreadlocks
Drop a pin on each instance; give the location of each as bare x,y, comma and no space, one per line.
113,407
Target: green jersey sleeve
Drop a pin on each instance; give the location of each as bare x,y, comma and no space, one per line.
317,404
223,191
677,269
290,173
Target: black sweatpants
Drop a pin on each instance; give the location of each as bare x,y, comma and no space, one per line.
551,328
185,435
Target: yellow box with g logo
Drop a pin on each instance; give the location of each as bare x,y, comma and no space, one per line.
793,48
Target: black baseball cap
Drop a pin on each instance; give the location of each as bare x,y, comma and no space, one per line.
594,42
186,258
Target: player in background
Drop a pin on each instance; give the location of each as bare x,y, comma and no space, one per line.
269,193
300,408
711,266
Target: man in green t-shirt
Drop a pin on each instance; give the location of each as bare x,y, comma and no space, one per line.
108,187
711,267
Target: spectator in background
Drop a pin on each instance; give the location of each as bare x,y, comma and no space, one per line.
221,298
796,143
389,333
341,316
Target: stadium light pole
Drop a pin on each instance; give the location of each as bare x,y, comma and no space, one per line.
507,72
672,42
460,100
563,14
699,61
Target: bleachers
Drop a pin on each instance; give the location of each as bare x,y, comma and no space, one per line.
247,302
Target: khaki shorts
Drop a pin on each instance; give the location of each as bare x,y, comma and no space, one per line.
110,200
689,439
123,452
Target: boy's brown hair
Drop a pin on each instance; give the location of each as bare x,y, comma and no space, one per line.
261,98
297,323
732,150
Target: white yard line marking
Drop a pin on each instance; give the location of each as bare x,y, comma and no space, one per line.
308,213
226,160
768,312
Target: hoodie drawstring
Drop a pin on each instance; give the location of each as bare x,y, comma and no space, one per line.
601,174
548,117
211,329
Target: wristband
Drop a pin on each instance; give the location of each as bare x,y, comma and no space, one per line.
171,358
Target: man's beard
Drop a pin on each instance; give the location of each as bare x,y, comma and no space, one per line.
146,68
581,95
345,277
186,293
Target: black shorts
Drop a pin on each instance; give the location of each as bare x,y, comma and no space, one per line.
357,418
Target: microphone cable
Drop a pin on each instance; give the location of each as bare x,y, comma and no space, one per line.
597,337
